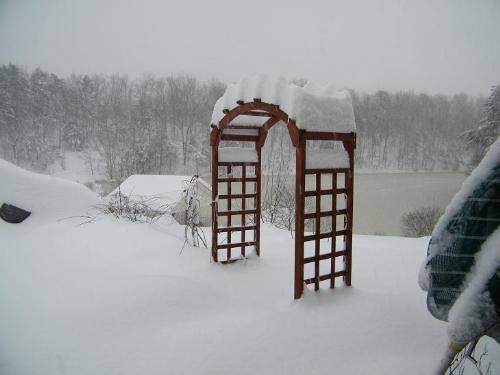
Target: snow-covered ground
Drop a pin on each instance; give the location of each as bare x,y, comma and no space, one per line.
114,297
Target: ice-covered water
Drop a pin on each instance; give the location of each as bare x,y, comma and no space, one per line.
380,199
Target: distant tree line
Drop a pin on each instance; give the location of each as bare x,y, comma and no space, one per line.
479,139
149,125
160,125
409,131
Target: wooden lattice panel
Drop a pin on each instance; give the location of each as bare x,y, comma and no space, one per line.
326,246
237,211
236,221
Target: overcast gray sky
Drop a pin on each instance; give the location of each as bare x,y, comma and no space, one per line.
435,46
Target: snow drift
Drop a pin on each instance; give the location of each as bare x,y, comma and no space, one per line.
47,198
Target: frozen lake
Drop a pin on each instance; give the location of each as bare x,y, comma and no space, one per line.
380,199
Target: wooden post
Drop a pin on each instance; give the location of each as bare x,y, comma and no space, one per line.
300,166
334,229
317,225
349,146
257,201
243,206
215,193
229,208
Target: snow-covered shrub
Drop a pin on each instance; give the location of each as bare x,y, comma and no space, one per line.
119,205
420,222
279,207
193,233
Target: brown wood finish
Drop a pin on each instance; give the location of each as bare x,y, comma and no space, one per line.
229,213
317,235
327,136
349,146
300,164
333,247
299,139
215,186
256,234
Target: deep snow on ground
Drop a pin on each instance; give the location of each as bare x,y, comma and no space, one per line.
108,296
114,297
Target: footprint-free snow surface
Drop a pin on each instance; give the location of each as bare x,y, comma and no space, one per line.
114,297
107,296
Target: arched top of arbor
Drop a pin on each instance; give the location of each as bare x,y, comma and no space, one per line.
255,103
245,113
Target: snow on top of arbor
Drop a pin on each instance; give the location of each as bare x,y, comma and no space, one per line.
157,191
47,198
237,155
313,107
326,158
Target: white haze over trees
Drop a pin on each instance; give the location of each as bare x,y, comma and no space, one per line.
417,71
160,125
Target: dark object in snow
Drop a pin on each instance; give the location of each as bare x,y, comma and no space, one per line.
462,270
232,260
12,214
467,230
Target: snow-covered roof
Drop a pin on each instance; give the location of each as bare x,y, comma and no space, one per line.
158,191
313,107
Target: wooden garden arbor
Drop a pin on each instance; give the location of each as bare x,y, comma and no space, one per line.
236,191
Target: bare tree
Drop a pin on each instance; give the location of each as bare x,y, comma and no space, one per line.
420,222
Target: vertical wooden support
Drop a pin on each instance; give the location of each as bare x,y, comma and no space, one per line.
317,225
229,208
349,147
300,166
258,171
243,206
334,230
215,193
